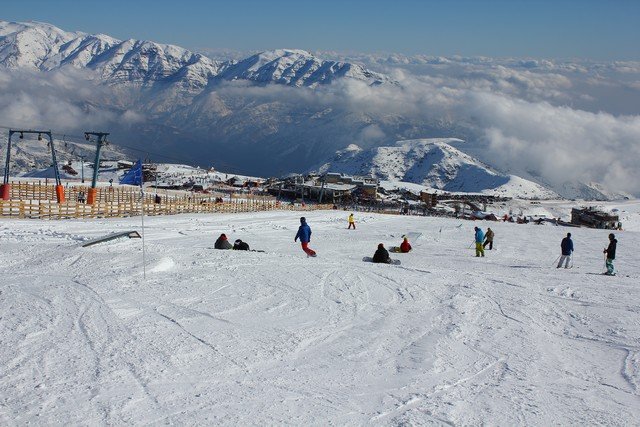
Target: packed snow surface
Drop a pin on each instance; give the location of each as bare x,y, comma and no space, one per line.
251,338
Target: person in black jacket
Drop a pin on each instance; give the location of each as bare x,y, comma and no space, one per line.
222,242
381,255
567,249
611,254
239,245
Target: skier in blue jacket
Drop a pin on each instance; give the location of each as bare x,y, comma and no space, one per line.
304,234
567,249
479,240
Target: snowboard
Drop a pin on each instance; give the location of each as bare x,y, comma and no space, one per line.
396,250
413,235
393,261
607,274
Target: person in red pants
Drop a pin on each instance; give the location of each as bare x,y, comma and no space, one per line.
304,234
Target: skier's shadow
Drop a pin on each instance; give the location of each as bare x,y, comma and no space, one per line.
524,266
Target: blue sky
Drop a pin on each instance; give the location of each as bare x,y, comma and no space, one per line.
600,30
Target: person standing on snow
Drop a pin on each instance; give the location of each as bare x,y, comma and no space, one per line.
222,242
488,239
381,255
611,254
304,234
351,222
479,238
567,249
405,246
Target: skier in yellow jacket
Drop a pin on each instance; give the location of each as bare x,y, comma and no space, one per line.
352,222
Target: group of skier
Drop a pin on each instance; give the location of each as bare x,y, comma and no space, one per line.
567,251
481,240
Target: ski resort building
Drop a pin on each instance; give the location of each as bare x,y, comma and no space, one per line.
331,188
594,218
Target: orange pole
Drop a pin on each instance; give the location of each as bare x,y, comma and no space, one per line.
91,196
60,193
5,191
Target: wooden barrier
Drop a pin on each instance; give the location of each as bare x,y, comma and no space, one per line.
38,200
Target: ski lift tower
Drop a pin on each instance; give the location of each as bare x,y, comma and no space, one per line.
6,186
100,142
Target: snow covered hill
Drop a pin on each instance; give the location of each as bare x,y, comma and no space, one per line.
433,163
248,338
44,47
145,63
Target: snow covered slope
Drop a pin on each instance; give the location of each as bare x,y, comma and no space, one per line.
45,47
295,68
433,163
248,338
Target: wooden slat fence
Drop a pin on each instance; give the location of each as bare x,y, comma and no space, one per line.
37,200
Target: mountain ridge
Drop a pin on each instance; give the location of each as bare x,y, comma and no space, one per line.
434,163
45,47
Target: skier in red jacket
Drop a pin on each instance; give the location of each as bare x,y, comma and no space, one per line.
405,246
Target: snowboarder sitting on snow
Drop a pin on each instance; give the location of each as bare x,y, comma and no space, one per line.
222,242
488,239
611,254
479,239
405,246
567,250
239,245
352,222
304,234
381,255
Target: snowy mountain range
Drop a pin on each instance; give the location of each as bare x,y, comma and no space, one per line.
434,163
44,47
268,114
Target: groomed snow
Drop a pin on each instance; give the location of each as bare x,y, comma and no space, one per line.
248,338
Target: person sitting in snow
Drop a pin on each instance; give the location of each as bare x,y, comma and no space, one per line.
239,245
405,246
222,242
304,234
381,255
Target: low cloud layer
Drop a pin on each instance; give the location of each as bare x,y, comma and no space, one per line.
66,101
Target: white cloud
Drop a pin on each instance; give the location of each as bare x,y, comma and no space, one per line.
66,101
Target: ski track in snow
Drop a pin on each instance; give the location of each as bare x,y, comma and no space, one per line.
226,337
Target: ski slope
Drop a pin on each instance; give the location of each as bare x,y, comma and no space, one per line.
247,338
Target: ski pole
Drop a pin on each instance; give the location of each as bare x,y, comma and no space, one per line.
571,259
554,262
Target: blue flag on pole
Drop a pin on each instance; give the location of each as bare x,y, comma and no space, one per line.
134,176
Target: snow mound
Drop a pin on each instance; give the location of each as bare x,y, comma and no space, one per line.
433,163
